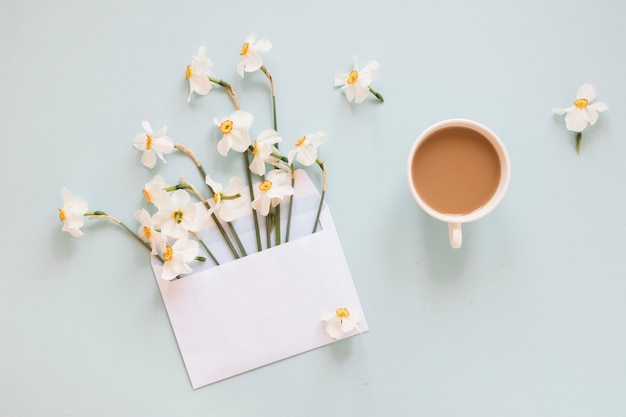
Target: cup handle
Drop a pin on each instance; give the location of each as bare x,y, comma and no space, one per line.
456,237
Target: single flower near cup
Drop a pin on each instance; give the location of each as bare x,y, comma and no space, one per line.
458,171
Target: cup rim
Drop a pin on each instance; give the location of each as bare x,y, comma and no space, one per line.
505,165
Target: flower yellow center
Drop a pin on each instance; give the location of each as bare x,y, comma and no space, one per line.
169,252
148,141
147,195
216,197
300,141
342,313
147,232
188,72
352,77
244,49
226,126
62,215
255,148
178,216
581,103
265,185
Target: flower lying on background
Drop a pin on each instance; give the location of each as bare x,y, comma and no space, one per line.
73,212
226,200
341,322
262,150
272,190
235,131
305,151
177,215
149,233
177,256
154,191
583,112
356,84
198,74
152,143
251,54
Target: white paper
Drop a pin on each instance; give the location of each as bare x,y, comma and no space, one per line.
267,306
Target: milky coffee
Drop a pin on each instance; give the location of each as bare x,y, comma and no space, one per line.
456,170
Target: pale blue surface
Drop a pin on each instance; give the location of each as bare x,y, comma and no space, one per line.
527,319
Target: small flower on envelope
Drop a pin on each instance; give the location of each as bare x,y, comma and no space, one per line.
177,256
356,84
177,215
73,213
251,54
235,130
152,143
148,232
198,74
341,322
305,151
262,150
154,191
276,186
226,200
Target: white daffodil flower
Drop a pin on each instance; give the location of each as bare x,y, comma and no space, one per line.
148,233
152,143
177,215
227,200
262,150
251,55
154,191
177,256
356,84
235,130
198,74
276,186
73,213
341,322
583,112
305,151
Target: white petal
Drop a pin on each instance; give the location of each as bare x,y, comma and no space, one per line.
599,106
263,45
307,155
223,146
257,166
586,91
575,121
148,159
240,66
590,115
369,72
146,125
252,61
341,78
361,93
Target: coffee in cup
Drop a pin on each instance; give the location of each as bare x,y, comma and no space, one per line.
458,171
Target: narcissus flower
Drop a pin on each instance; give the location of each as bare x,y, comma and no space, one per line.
226,200
177,256
154,191
251,55
235,130
356,84
152,143
177,215
341,322
305,151
148,233
276,186
73,213
198,74
262,149
583,112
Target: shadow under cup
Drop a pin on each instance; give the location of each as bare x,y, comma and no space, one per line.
458,171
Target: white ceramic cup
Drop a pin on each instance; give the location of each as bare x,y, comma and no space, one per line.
455,220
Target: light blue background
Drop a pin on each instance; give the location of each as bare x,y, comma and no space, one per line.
527,319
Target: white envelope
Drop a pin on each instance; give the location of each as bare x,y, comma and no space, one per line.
267,306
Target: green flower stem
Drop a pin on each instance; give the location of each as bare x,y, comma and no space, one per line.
103,215
319,209
293,181
213,216
228,88
377,94
269,77
255,216
269,222
208,251
579,138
